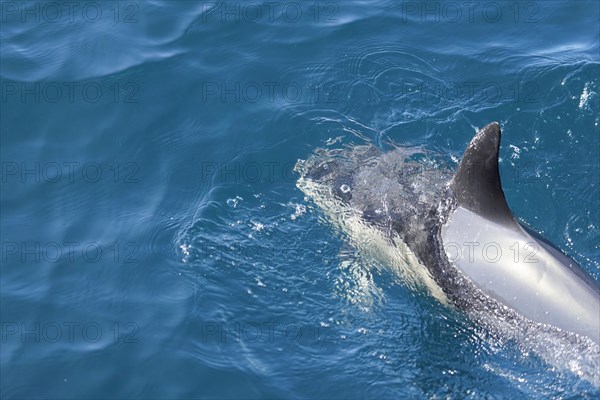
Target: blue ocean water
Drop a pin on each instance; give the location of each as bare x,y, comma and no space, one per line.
154,242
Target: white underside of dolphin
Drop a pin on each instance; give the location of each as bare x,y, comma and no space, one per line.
512,267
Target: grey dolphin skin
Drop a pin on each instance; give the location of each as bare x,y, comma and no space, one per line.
506,260
455,233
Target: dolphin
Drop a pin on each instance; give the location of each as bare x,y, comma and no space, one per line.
456,233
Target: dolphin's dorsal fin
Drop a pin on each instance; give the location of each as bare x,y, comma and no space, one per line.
477,185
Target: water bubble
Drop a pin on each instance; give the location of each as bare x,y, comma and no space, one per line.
299,210
185,249
233,202
257,226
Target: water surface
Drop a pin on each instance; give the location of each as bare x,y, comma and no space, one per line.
155,243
